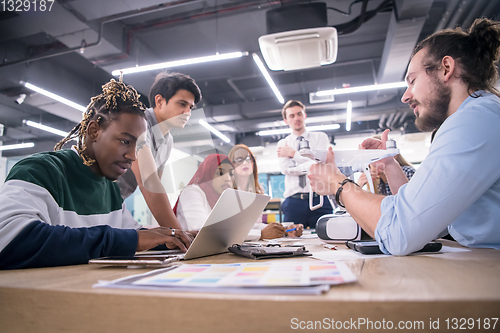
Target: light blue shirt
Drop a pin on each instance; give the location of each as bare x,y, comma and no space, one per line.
456,187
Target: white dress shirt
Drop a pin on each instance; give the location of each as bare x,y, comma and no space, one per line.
317,141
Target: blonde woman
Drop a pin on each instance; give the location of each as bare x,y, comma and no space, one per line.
247,179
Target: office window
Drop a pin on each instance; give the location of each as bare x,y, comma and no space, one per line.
263,182
273,183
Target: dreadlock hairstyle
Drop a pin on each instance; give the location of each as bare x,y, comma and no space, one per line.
477,51
116,98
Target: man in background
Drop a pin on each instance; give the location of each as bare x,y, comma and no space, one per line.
172,97
296,205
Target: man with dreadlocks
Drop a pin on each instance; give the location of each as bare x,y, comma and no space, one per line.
172,97
63,207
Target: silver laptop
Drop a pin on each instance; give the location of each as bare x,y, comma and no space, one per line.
229,222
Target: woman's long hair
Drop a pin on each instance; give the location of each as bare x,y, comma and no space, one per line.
204,176
255,181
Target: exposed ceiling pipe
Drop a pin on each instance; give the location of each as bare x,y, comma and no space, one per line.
488,9
405,116
374,72
390,124
402,116
458,13
237,90
209,114
404,30
389,120
234,86
478,6
132,31
241,113
369,113
397,119
84,45
381,122
450,9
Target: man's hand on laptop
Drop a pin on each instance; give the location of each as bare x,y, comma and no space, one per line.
192,233
172,238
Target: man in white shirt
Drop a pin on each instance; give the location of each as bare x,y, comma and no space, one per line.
172,97
296,205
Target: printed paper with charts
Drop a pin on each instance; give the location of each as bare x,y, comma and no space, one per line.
251,275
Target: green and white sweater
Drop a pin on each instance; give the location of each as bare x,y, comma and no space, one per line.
56,211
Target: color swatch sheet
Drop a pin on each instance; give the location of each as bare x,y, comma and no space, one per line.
252,275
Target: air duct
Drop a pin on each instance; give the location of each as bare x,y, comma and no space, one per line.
293,43
299,49
286,18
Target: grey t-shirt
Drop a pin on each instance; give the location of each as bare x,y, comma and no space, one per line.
160,146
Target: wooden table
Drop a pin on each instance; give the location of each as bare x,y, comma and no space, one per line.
411,291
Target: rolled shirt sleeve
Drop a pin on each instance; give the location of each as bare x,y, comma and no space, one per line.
456,186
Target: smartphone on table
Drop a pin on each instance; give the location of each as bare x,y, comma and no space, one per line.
371,246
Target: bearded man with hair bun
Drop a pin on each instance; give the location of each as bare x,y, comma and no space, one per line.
451,88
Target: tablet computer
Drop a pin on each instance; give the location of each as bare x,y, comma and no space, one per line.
143,260
371,246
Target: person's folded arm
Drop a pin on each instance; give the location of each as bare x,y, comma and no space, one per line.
284,163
